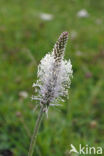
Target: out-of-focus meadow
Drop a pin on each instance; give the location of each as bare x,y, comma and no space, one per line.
28,30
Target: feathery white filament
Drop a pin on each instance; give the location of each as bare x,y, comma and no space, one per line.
54,74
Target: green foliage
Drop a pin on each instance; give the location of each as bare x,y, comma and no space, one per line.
24,39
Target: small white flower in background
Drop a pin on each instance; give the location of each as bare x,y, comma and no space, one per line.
23,94
83,13
98,21
54,75
79,53
46,17
73,35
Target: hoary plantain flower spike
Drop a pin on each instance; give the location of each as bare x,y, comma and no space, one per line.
54,75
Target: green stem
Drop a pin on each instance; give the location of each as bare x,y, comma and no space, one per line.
33,139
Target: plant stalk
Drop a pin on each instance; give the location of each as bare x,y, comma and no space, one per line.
33,139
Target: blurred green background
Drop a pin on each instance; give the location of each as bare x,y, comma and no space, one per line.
28,30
